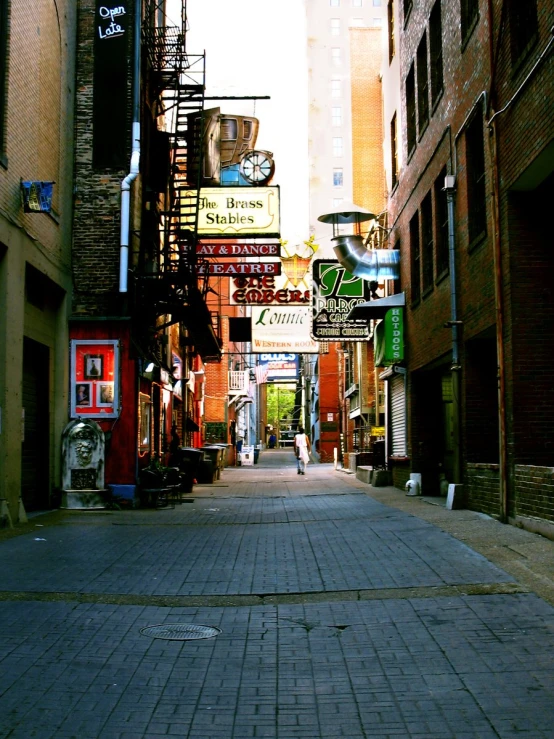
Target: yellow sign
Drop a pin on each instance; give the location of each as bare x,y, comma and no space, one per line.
377,431
233,211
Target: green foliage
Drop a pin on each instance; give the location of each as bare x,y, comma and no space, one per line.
280,404
215,432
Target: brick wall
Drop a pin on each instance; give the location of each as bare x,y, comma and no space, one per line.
97,195
482,488
534,491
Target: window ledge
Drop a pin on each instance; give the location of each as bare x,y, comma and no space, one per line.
427,291
3,160
415,303
469,32
442,276
477,241
421,133
435,103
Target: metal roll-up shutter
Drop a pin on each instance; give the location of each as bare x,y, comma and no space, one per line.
398,415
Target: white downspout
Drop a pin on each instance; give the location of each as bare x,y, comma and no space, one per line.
135,158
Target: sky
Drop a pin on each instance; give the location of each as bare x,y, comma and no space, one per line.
258,47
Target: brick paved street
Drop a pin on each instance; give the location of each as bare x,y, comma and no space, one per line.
340,616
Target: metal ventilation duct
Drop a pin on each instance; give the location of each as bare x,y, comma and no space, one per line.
374,264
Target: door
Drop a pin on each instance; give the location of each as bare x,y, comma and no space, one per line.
35,453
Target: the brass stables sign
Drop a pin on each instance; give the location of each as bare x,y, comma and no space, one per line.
228,211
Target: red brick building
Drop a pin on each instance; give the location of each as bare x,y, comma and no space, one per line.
467,108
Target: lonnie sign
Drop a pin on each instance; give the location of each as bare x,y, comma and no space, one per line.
335,293
281,329
228,211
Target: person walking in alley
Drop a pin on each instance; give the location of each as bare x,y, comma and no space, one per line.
302,449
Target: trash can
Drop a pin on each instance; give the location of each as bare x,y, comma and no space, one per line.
256,455
213,454
189,460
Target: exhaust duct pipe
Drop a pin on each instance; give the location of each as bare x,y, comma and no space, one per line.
369,264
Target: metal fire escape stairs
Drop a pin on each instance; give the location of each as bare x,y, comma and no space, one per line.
177,84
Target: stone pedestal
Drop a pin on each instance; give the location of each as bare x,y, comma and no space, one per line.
83,465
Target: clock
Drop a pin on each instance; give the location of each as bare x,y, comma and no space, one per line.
257,167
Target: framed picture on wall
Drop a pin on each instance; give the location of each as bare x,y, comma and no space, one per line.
104,394
83,398
94,366
94,378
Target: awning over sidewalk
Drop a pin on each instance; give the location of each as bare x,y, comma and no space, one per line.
374,309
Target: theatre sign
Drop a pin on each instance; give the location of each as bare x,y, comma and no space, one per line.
233,211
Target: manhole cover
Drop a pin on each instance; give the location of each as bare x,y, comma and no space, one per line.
180,632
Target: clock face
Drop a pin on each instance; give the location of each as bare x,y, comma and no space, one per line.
257,167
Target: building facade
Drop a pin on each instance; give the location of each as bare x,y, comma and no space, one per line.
37,88
468,147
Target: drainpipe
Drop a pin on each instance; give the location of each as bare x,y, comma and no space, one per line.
135,157
454,324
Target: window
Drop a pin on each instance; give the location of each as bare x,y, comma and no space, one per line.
337,146
475,167
335,26
3,75
422,86
338,178
390,21
336,88
441,225
427,243
415,258
336,116
410,110
407,9
376,3
523,27
394,150
357,3
470,15
337,202
377,22
334,3
336,56
357,23
435,51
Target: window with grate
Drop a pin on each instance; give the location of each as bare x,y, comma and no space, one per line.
435,52
523,24
441,225
410,110
475,168
422,86
415,258
394,150
427,243
391,31
3,76
469,10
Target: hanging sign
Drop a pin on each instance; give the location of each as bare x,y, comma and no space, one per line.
389,338
226,211
267,290
335,293
230,269
278,329
238,250
279,366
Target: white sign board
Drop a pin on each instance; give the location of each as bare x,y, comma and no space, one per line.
231,211
282,329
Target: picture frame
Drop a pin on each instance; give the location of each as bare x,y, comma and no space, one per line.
83,395
94,362
93,366
104,394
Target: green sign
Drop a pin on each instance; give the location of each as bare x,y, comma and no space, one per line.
389,338
335,293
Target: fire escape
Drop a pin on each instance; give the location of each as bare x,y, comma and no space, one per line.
167,274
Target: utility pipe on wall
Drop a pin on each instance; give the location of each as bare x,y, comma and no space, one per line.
135,157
